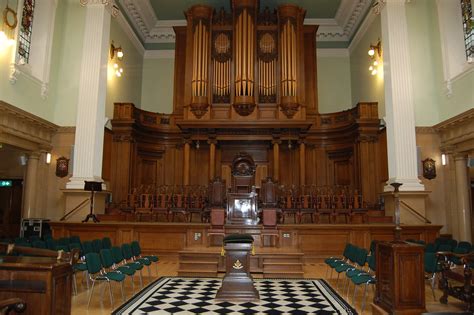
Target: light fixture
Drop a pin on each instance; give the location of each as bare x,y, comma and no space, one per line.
443,159
375,53
48,158
116,55
116,51
197,145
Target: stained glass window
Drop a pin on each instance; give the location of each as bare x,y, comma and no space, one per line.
468,26
26,28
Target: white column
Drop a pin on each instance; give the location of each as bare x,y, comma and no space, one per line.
463,197
400,114
29,197
89,138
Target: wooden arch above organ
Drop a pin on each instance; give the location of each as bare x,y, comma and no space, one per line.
250,64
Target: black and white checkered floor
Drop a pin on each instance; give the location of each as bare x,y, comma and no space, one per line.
170,295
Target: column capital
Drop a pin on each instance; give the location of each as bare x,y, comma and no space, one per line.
109,5
378,5
212,141
460,156
276,141
34,155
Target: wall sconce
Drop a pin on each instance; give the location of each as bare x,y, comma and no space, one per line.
10,21
375,53
116,54
443,159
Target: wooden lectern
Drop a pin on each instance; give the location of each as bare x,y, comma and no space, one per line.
237,285
400,277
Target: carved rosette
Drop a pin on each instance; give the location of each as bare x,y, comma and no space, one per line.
244,109
289,106
199,109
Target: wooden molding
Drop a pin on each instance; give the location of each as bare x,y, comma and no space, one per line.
457,133
424,130
24,130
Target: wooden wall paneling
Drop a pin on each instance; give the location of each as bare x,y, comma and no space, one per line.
147,171
310,69
289,165
321,166
368,171
383,157
260,174
218,161
122,165
179,69
199,165
226,174
107,154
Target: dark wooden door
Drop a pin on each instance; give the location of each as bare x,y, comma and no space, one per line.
10,208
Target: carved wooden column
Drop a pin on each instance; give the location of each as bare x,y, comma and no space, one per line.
276,159
30,185
212,158
462,194
187,148
302,162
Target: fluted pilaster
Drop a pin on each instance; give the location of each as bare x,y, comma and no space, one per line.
88,145
29,197
463,197
400,114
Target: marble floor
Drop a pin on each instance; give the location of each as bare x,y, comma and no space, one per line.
169,266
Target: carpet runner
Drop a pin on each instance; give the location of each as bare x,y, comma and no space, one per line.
173,295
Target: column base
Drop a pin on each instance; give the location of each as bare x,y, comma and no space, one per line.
74,197
408,184
415,199
78,182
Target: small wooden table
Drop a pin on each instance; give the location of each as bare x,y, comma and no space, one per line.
42,282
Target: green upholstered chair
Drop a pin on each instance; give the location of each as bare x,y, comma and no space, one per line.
432,268
137,252
332,261
355,255
97,245
360,262
109,265
121,264
106,243
365,278
97,273
128,257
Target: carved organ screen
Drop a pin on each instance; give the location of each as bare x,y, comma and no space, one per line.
247,64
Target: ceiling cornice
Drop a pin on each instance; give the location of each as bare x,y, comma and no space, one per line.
348,16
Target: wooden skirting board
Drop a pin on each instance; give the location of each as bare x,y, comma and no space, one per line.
314,241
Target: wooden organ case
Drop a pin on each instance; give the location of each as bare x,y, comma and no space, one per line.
248,64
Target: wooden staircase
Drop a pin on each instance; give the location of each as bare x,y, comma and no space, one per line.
271,263
378,216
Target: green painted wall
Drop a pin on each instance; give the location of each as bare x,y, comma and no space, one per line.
425,54
157,87
67,56
364,86
127,88
334,84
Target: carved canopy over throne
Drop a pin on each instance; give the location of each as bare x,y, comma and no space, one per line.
243,173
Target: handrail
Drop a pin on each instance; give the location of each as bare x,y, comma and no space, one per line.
73,210
414,211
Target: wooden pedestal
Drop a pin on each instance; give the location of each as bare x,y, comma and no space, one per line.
400,278
237,284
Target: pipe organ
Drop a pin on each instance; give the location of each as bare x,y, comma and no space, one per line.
247,64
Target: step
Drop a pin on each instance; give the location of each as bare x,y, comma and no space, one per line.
376,213
199,258
196,273
283,260
276,267
283,274
198,265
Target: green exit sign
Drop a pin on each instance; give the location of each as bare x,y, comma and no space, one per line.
5,183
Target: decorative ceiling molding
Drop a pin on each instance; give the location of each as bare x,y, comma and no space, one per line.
348,16
130,33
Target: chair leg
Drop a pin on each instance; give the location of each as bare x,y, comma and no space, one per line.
121,289
364,298
133,284
433,282
353,297
110,293
141,279
90,294
74,282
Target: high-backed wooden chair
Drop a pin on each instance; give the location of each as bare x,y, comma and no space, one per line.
161,206
307,207
341,206
179,206
289,206
145,206
324,205
196,205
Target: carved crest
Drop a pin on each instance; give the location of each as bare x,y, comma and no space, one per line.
429,168
243,165
62,167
